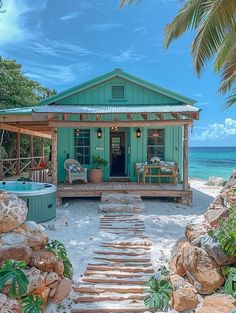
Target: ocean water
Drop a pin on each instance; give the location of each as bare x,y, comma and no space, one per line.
211,161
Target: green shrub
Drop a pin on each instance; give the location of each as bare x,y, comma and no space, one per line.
226,233
32,304
12,270
59,250
230,282
159,294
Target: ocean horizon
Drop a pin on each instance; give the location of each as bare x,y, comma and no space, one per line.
211,161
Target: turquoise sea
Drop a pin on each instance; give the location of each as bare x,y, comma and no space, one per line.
211,161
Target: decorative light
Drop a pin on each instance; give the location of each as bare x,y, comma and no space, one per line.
99,133
114,128
138,133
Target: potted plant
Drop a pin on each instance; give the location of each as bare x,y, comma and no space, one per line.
96,171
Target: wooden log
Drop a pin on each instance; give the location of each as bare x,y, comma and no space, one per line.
31,139
124,247
98,290
119,253
136,260
121,269
112,310
104,298
18,153
185,159
54,156
128,243
113,281
115,275
122,264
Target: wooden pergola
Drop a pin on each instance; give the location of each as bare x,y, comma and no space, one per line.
45,125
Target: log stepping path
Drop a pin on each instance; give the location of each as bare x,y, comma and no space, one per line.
114,279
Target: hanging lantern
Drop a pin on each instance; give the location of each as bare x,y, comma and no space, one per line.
99,133
138,133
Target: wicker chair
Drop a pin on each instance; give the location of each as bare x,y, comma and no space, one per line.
74,171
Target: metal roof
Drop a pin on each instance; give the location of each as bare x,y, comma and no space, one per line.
111,109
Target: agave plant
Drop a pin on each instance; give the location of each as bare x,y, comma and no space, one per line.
32,304
230,283
226,233
159,294
12,271
59,250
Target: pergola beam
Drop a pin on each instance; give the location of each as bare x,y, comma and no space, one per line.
25,131
76,124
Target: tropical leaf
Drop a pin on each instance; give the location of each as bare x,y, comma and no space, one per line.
59,250
128,2
32,304
11,270
159,294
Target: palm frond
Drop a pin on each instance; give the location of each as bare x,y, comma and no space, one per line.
223,52
128,2
217,20
229,71
188,17
231,99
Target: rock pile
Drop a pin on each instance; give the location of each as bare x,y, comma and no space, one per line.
23,240
196,261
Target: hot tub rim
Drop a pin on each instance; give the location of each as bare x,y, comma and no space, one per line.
40,192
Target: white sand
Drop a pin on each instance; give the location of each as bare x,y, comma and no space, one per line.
77,226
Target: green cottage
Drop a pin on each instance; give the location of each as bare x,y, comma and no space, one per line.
123,119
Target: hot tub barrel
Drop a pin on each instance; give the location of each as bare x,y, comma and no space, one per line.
39,197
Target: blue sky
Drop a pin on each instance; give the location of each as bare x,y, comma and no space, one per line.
63,43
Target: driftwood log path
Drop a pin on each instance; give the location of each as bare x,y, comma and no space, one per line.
115,277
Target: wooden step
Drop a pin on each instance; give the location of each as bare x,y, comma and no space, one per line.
121,269
127,253
93,263
112,310
108,298
125,247
119,281
129,260
129,243
98,289
115,274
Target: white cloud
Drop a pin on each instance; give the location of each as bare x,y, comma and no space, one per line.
69,16
13,26
11,22
58,74
128,55
198,95
102,27
218,131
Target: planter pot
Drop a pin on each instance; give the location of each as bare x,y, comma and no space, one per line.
95,175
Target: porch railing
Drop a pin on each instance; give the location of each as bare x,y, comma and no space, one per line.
16,166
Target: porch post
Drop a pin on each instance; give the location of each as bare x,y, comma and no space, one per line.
18,153
54,156
31,138
42,148
185,158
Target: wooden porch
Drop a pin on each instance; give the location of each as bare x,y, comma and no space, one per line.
145,190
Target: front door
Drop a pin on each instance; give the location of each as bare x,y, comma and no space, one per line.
117,154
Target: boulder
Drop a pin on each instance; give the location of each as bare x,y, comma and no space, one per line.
8,305
43,260
18,253
13,212
63,290
184,295
201,270
194,231
52,280
218,303
12,239
36,235
36,281
214,215
212,247
176,260
59,267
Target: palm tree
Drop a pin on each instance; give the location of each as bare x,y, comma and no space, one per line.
213,22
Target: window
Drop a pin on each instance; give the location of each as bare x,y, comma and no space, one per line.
82,146
117,92
155,144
